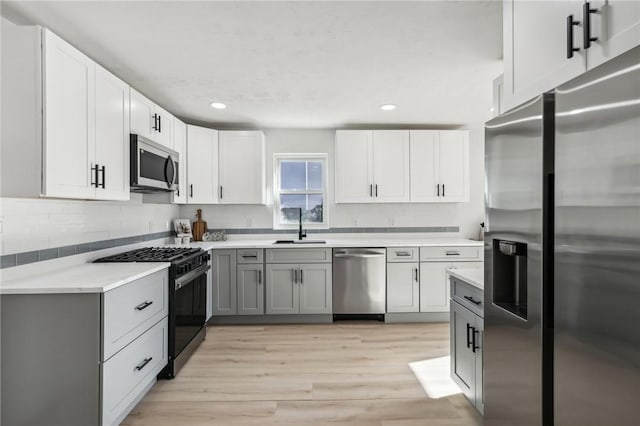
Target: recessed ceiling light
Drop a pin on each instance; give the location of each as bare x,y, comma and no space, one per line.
217,105
387,107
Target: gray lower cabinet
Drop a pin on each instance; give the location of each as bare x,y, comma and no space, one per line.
225,290
82,359
293,288
467,338
250,282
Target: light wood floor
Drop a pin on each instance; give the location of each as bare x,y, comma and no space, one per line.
336,374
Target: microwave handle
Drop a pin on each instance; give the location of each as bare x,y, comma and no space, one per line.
169,180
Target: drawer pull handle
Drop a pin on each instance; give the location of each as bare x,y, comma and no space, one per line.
472,300
144,305
253,256
403,253
144,363
452,253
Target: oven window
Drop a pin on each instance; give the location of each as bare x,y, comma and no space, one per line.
152,166
191,311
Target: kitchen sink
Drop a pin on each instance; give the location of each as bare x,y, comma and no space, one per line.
300,242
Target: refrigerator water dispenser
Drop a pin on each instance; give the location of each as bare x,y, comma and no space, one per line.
510,276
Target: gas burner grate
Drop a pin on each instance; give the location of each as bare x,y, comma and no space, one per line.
151,254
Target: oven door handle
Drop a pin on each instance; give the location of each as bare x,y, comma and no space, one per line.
190,276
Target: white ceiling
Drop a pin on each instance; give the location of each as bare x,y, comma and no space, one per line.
292,64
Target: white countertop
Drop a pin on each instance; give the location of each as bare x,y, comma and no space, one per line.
332,241
83,278
475,277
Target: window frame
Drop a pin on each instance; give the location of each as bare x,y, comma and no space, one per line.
277,160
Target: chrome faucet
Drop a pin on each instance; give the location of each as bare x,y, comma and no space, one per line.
301,234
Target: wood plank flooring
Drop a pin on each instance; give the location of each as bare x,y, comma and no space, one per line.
334,374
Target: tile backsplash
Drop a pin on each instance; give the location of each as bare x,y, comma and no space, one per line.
28,225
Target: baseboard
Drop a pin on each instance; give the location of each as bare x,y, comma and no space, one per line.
271,319
416,317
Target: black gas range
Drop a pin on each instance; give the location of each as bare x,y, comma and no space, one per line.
187,298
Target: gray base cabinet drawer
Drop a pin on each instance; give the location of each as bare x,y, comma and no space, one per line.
130,309
131,370
468,296
450,253
250,255
402,254
299,255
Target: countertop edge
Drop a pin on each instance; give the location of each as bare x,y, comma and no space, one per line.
466,276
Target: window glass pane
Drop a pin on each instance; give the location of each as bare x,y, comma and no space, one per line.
312,207
293,175
314,173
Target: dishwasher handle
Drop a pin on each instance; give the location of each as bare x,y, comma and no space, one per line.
357,255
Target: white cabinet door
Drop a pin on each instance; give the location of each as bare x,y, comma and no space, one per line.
164,127
454,165
142,115
535,47
282,289
224,282
391,166
180,146
242,168
354,166
403,287
425,162
462,357
434,287
616,25
250,290
316,288
202,160
69,120
112,136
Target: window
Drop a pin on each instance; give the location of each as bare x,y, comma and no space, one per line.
300,183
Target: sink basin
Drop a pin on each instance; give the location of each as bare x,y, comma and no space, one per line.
300,242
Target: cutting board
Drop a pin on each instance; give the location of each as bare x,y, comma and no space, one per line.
199,226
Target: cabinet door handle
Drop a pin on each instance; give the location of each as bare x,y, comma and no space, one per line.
104,172
155,122
191,190
259,276
443,190
417,277
472,300
586,17
178,192
221,192
376,190
452,253
301,277
371,190
570,24
144,305
468,335
94,177
438,190
474,345
143,363
159,123
295,275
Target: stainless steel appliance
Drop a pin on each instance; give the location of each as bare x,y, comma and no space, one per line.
562,254
154,167
187,298
359,281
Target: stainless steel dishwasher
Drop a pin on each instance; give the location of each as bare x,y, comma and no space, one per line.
359,281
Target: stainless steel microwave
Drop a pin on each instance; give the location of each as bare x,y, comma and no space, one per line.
154,167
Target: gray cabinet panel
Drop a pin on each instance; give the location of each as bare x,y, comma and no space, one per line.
462,357
282,289
250,289
224,282
316,289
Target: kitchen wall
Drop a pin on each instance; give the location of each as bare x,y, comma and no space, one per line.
37,224
466,216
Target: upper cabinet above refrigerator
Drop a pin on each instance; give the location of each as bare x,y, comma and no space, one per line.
151,121
547,43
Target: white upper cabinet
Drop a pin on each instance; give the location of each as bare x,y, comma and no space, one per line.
69,120
391,166
241,167
615,24
86,122
439,165
354,166
372,166
150,121
112,136
180,146
202,170
547,43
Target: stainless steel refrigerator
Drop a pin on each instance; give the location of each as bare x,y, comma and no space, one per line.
562,254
